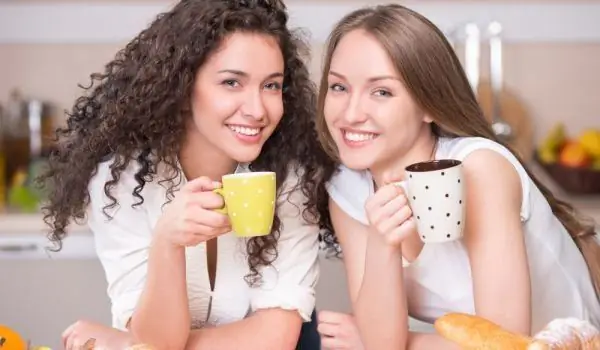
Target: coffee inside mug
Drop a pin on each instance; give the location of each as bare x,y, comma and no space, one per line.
433,165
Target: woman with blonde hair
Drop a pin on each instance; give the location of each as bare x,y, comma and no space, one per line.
393,93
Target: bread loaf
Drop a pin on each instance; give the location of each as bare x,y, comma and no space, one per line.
476,333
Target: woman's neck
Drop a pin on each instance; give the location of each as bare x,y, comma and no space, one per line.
198,157
423,150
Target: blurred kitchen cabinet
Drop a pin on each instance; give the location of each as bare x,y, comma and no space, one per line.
41,295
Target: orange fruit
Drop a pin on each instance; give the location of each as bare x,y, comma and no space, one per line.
11,340
574,155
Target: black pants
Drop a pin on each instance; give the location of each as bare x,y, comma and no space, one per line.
309,337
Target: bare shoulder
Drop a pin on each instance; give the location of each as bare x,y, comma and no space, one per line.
494,196
487,168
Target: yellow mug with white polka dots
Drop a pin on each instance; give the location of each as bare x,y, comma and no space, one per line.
249,202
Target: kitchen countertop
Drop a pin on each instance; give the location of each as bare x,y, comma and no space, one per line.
33,223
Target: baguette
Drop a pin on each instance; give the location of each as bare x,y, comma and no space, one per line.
476,333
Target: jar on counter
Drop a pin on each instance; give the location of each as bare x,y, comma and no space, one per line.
16,135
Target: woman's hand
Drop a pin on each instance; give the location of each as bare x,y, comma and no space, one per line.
338,331
190,218
84,335
389,214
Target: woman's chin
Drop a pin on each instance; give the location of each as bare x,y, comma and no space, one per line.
245,155
356,162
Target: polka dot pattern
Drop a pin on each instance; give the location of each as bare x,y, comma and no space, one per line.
250,202
436,198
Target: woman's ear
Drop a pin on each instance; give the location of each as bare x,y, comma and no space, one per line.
427,118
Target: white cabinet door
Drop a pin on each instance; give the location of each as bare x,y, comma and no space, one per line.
41,295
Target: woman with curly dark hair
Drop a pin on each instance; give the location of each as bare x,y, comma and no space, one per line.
211,87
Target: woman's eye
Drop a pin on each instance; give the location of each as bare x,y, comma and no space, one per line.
337,88
382,92
231,83
273,86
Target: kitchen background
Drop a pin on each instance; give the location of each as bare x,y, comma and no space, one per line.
550,75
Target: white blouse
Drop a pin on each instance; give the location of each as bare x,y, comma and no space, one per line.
439,280
122,245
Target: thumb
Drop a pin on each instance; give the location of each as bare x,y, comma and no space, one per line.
202,183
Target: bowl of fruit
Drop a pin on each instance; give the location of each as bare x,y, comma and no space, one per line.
573,162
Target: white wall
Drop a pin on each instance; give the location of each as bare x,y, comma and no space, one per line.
108,22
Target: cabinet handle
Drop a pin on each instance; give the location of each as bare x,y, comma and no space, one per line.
15,248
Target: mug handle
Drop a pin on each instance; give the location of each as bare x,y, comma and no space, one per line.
223,210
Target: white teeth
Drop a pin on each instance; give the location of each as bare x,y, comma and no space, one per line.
244,131
355,136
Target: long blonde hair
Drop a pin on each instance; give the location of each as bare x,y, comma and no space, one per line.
435,79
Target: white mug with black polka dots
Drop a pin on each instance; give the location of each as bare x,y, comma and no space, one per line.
436,196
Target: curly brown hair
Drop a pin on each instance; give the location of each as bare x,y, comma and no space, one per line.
137,110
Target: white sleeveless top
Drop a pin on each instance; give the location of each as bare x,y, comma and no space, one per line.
439,280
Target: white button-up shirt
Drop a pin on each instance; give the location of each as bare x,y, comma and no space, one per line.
123,242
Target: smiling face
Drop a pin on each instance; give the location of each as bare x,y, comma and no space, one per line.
370,114
237,97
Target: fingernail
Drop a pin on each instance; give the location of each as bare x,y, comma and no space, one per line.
216,184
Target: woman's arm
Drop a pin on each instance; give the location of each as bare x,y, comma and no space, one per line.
495,243
352,236
161,316
375,281
269,329
254,332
